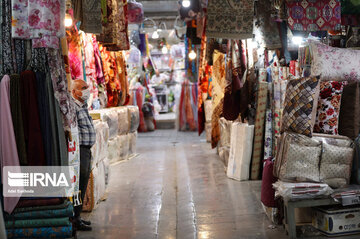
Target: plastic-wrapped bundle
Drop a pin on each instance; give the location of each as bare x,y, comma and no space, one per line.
107,171
134,118
208,110
100,148
132,143
290,191
114,150
336,160
240,151
208,131
123,120
298,158
123,145
110,116
99,181
224,143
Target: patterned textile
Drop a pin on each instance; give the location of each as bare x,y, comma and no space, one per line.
49,222
91,16
230,19
308,15
334,63
217,95
122,77
60,86
300,106
7,45
75,57
259,130
268,142
328,107
265,28
42,232
115,30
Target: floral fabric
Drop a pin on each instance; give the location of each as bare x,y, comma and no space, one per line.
75,56
334,63
38,19
309,15
328,107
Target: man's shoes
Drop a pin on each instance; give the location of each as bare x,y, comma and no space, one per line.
88,223
81,226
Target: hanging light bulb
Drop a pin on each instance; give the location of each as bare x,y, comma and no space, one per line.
155,35
297,40
192,55
186,3
68,21
164,50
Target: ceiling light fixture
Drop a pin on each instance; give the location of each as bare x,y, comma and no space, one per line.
68,21
186,3
155,35
192,55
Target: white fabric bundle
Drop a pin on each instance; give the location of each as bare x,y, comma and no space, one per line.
123,145
208,110
114,150
123,120
208,129
241,144
99,181
134,118
132,143
100,148
110,116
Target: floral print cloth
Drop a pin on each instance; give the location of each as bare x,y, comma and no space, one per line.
334,63
40,20
309,15
328,107
75,56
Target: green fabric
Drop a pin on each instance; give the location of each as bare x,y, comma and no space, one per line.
350,6
65,212
49,222
16,114
64,205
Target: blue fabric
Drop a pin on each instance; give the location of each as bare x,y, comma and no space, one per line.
42,232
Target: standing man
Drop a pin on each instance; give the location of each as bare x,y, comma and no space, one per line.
80,92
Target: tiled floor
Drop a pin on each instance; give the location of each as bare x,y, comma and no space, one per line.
177,188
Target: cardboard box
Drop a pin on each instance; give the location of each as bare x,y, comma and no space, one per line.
337,221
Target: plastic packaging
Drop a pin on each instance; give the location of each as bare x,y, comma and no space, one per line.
135,12
132,143
123,120
123,145
134,118
99,150
240,151
293,191
110,116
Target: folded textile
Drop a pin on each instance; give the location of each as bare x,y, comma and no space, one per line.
63,205
33,223
65,212
42,232
39,202
293,191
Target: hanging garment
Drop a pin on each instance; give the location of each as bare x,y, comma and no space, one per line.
7,42
31,120
122,76
309,15
217,95
44,114
265,28
75,57
259,130
8,150
16,114
268,141
230,19
91,16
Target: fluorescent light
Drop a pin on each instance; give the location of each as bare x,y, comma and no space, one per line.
155,35
297,40
164,50
186,3
68,21
192,55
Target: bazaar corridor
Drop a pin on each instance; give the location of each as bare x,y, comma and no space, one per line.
177,188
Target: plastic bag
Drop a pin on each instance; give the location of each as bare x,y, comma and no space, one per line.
134,118
99,150
135,12
123,145
240,151
293,191
110,116
132,143
123,120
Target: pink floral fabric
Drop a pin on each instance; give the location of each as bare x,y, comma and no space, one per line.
327,117
39,19
75,57
334,63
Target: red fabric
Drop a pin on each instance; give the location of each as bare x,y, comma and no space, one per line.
267,191
139,102
320,15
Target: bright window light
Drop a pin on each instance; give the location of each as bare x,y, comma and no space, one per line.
297,40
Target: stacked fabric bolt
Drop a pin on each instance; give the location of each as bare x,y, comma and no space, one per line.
40,218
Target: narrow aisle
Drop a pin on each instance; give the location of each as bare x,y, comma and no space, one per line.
177,188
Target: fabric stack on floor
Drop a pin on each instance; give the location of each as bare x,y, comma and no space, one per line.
134,120
40,218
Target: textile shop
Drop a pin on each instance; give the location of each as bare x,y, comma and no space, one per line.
278,98
45,48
